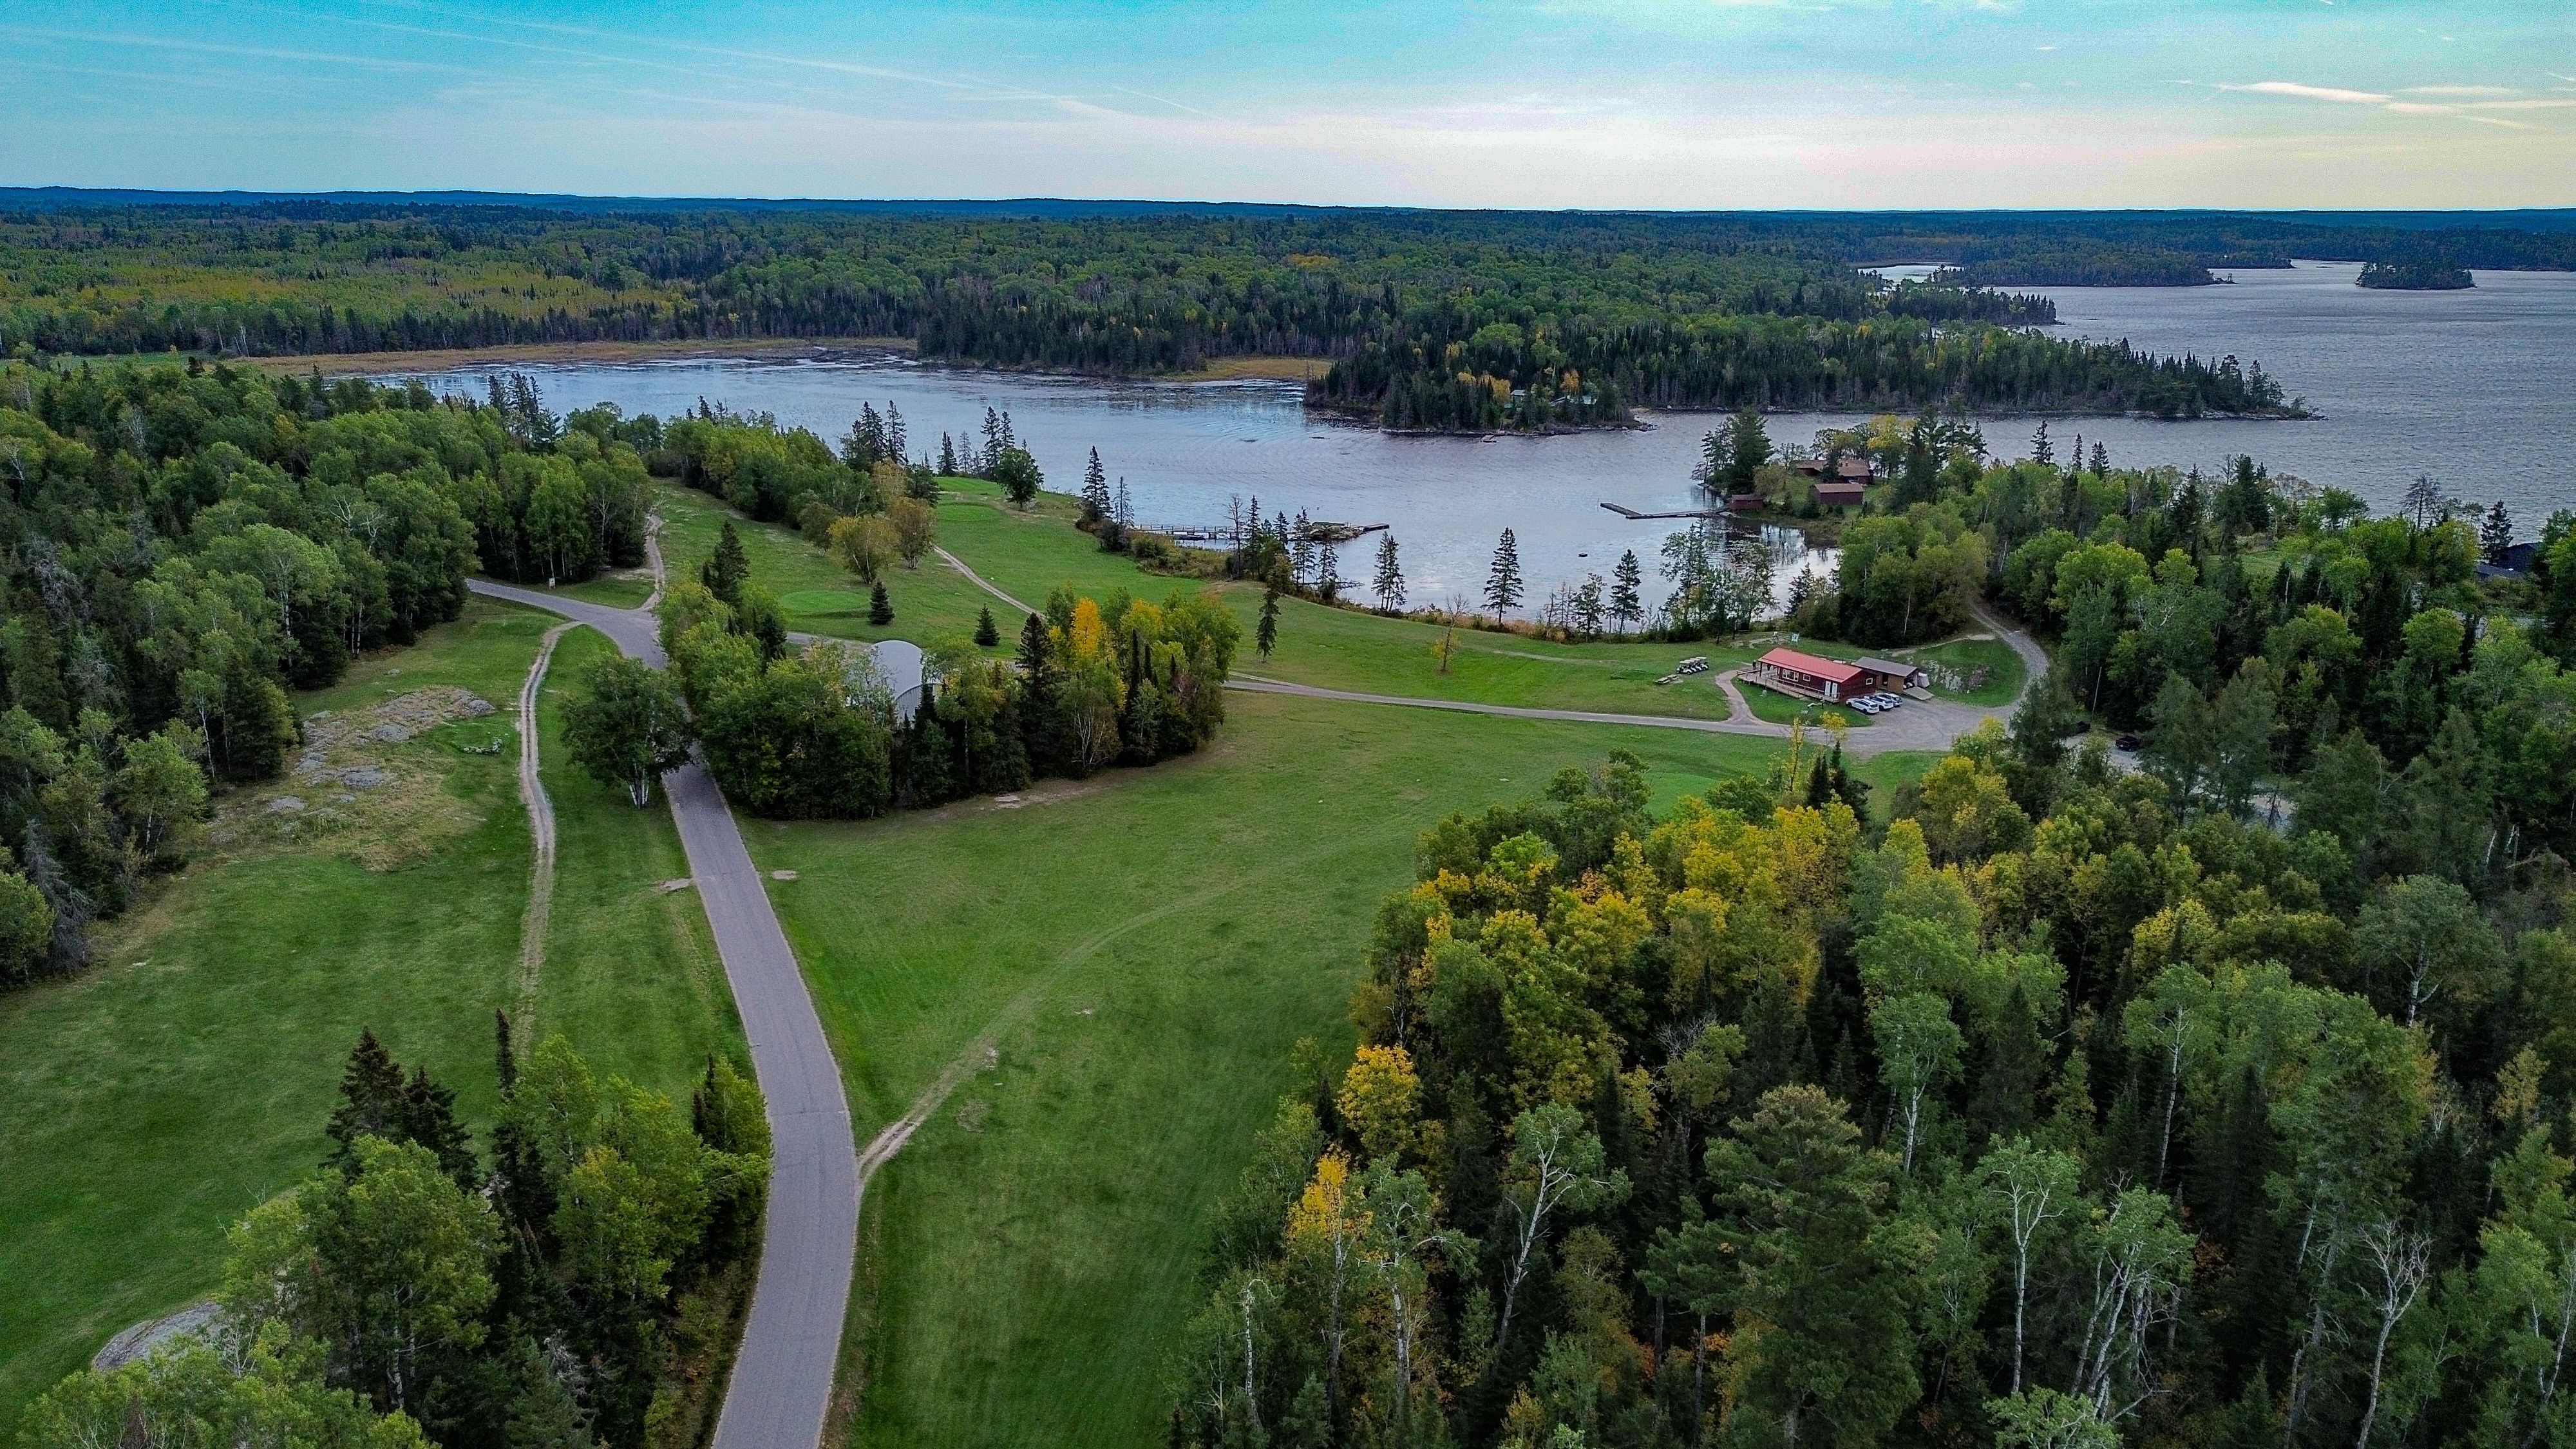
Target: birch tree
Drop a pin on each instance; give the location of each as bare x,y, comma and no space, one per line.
1918,1050
2027,1188
1555,1168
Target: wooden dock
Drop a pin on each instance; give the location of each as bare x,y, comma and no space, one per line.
1626,512
1333,533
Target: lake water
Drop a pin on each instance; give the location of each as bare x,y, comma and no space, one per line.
2477,388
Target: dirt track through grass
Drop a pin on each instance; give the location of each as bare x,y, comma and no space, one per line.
541,834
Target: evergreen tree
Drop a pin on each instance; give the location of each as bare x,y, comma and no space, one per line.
426,1115
1095,492
725,570
880,608
1266,637
947,456
1328,570
987,634
1503,584
1124,509
1389,584
1748,447
2495,536
1041,697
1627,592
1301,549
371,1100
2040,451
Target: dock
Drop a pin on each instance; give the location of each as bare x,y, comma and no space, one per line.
1626,512
1316,532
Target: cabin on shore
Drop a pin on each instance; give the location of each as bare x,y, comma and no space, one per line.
1805,675
1841,495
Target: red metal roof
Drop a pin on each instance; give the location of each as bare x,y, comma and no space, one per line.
1809,665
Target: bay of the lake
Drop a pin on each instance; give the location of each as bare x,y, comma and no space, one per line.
2476,388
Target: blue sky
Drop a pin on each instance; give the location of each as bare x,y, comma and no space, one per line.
1656,103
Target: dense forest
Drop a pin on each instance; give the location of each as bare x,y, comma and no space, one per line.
2415,276
572,1289
2218,1099
184,546
1436,320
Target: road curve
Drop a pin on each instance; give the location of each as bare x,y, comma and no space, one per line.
782,1374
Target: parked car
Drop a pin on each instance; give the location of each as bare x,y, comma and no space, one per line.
1866,704
1693,665
2126,744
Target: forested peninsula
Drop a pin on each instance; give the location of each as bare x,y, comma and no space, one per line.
1471,321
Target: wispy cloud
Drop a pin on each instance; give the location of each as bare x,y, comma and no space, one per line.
2313,93
2464,110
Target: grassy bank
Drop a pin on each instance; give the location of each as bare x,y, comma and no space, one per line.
187,1075
1140,951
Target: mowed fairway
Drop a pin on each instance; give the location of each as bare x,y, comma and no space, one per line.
146,1103
1140,952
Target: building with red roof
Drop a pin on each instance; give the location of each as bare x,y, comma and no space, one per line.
1794,673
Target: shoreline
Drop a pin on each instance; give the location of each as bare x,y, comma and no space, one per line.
1215,371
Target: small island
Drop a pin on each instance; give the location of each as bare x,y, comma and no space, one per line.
2414,277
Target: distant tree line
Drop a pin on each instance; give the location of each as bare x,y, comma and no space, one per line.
1443,320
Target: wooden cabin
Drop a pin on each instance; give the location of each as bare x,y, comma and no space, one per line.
1792,672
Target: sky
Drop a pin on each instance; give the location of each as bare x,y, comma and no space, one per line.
1537,103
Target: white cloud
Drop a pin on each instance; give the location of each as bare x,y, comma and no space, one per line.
2461,91
2313,93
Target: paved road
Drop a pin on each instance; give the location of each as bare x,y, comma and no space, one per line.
782,1376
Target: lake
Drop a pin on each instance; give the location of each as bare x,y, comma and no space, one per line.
2477,388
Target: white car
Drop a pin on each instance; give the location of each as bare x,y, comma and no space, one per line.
1866,704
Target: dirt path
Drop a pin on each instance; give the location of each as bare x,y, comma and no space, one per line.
541,833
979,581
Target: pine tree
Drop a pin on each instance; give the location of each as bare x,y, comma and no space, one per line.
724,571
1627,598
987,634
1124,509
371,1100
2495,536
1301,549
894,434
1328,569
1095,491
880,608
1266,637
427,1115
2040,451
1503,585
947,456
1389,585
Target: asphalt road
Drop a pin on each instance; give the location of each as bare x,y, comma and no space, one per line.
782,1375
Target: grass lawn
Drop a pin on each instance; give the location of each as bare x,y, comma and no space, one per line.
187,1075
2004,669
1780,708
1142,951
932,603
1031,553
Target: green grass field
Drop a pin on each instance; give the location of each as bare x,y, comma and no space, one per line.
1143,950
187,1075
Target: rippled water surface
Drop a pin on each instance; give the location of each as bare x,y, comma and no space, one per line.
2477,388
